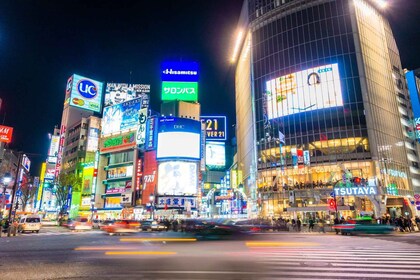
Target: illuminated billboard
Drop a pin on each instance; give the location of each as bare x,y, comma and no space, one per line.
6,134
413,84
215,127
180,71
85,93
117,93
26,163
118,142
215,155
182,91
123,116
177,178
120,172
303,91
55,143
93,140
178,138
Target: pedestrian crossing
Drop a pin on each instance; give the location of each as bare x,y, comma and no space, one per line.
344,263
60,233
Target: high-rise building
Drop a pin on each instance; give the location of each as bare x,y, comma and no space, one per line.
322,110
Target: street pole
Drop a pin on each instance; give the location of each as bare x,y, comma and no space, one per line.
14,193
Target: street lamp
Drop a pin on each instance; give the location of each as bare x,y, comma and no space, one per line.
152,203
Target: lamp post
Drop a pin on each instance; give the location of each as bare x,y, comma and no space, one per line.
152,203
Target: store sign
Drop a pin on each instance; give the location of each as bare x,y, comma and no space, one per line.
6,134
395,173
26,163
215,127
151,134
50,174
180,71
175,202
183,91
85,93
141,131
306,158
356,191
118,142
120,172
139,173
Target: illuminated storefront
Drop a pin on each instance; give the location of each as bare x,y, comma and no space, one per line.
310,110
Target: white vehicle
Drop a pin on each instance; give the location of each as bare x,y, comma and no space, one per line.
30,223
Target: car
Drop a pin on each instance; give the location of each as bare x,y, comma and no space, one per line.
80,223
363,226
122,226
31,223
106,223
158,226
96,224
146,225
49,222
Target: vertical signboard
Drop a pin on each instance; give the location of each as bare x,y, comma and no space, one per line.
141,131
151,134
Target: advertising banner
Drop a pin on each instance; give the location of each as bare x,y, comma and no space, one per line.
215,155
141,131
123,116
180,71
50,174
182,91
176,202
177,178
6,134
55,142
311,89
115,187
120,142
93,140
215,127
86,93
120,172
151,134
26,163
150,177
117,93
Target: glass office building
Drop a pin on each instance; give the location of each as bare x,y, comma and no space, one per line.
321,100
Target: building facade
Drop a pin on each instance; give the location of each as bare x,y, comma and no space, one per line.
321,104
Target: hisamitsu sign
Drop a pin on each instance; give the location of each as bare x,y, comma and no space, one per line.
180,71
356,191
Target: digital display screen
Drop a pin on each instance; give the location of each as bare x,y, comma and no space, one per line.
177,178
85,93
303,91
53,150
178,145
123,116
215,155
117,93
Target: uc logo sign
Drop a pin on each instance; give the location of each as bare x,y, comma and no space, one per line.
87,89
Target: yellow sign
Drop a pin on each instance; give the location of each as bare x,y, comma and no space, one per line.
41,180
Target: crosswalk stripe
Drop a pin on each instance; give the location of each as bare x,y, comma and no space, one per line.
318,258
332,261
346,275
347,269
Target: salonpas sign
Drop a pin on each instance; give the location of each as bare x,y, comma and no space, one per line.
356,191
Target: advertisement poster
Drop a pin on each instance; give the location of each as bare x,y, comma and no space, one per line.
117,93
6,134
177,178
120,117
303,91
215,155
53,150
215,127
86,93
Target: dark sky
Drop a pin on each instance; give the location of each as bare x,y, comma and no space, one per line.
43,42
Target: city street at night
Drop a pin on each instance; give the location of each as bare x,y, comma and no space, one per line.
63,254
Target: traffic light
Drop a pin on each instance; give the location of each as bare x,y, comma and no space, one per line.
356,180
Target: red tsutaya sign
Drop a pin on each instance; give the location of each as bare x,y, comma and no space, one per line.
6,134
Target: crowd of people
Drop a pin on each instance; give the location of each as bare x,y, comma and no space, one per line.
403,224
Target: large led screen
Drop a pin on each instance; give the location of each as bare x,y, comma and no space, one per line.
120,117
176,144
86,93
215,155
117,93
177,178
307,90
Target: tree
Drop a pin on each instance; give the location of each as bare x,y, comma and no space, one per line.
28,192
63,185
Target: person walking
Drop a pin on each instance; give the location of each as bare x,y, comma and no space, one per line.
336,222
321,226
298,223
311,225
175,225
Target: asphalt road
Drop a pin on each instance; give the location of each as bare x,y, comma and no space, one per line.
60,254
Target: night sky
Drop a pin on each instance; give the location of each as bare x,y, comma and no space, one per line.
42,43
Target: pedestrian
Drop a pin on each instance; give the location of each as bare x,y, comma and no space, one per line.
175,225
336,223
321,226
293,224
166,223
311,225
298,223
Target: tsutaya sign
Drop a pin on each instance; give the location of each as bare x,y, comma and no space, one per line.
356,191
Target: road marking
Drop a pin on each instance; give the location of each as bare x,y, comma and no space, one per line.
279,244
128,253
157,239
